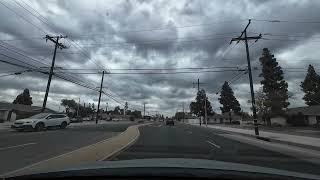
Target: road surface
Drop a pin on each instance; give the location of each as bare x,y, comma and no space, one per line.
19,149
186,141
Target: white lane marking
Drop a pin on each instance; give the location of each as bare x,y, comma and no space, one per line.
21,145
213,144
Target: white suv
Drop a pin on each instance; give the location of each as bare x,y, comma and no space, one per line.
41,121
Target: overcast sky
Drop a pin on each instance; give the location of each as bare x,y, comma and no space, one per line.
152,34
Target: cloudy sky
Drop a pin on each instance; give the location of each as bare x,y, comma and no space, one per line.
143,34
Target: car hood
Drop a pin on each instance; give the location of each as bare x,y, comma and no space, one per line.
26,120
156,166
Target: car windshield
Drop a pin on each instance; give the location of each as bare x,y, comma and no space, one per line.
39,116
159,83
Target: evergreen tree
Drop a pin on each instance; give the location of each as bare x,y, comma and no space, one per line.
275,87
228,100
311,87
23,98
198,107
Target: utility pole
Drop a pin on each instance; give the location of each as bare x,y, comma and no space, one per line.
144,110
245,39
107,108
205,111
99,97
198,83
183,111
78,108
125,109
57,45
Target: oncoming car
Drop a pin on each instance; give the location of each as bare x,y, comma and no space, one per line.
41,121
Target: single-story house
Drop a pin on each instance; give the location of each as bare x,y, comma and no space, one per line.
11,112
191,119
307,115
224,118
278,121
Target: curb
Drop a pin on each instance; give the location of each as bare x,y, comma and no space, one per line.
91,153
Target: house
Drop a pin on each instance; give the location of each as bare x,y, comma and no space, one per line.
307,115
224,118
11,112
189,118
278,121
216,118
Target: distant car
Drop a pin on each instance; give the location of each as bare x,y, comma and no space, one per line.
141,121
86,119
42,121
170,122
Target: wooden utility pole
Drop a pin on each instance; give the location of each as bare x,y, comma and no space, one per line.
183,112
78,108
245,39
198,83
144,110
57,45
205,110
99,97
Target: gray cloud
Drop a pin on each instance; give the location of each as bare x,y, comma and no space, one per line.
175,34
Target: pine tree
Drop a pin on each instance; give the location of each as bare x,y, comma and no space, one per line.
198,107
311,87
274,85
228,100
23,98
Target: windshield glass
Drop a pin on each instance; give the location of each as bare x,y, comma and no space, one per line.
39,116
218,81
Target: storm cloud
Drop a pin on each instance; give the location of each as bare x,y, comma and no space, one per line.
152,34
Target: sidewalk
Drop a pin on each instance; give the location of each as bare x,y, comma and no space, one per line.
273,136
299,131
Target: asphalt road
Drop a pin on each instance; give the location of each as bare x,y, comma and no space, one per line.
19,149
186,141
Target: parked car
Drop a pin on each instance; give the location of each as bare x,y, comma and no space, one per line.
42,121
170,122
86,119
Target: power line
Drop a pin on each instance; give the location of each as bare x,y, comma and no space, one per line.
221,35
277,39
287,21
47,23
157,42
18,60
23,39
44,20
158,69
165,28
21,16
289,35
177,72
15,73
24,17
41,61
